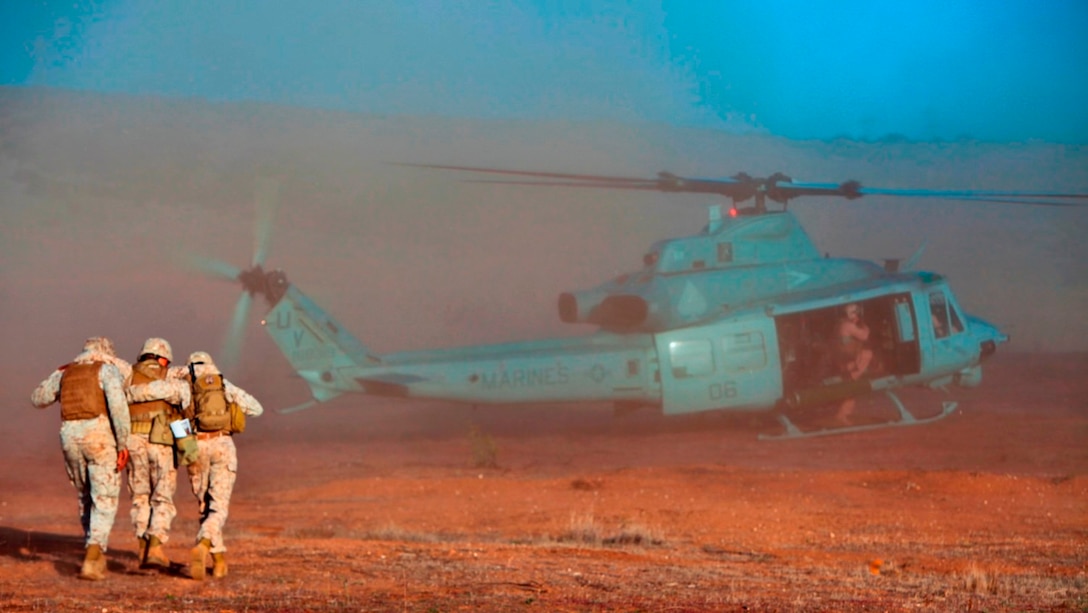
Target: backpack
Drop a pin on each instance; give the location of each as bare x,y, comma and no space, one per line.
210,406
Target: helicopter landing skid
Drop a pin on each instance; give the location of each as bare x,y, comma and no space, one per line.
906,418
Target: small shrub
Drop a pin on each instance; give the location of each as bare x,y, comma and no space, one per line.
583,529
634,535
978,581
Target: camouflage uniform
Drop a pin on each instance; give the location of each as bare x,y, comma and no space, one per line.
91,445
213,474
152,473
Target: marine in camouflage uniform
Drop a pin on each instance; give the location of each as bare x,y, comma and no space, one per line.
154,402
213,474
93,434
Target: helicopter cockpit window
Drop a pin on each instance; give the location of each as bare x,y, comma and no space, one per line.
946,320
692,358
954,317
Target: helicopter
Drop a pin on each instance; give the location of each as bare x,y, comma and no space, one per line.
739,317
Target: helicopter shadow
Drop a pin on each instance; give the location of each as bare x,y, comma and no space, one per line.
529,422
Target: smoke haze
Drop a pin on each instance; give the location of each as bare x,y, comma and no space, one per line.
106,196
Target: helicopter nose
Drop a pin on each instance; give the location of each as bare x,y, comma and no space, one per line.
988,335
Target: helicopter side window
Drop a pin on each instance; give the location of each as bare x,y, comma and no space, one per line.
905,321
691,358
743,352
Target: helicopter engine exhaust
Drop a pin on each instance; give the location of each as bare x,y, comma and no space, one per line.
609,311
568,308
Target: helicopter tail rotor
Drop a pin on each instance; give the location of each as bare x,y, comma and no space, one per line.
267,197
255,280
215,269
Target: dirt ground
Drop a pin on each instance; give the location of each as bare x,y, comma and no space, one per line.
383,505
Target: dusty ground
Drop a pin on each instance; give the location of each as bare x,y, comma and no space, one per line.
383,509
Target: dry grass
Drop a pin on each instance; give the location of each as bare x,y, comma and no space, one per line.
585,529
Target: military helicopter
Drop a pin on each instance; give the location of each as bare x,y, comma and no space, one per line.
740,317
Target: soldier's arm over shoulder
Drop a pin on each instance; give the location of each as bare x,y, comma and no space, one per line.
174,391
184,392
48,390
242,398
113,384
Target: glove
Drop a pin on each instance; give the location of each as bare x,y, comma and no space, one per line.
122,459
187,450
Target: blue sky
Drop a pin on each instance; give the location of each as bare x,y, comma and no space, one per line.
1002,71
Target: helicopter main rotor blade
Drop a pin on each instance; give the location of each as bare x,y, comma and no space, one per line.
647,185
1026,200
740,187
212,268
667,183
777,187
525,173
267,196
232,346
1005,197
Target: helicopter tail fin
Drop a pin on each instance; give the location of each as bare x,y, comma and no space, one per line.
315,344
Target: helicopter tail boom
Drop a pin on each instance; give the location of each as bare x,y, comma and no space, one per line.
315,344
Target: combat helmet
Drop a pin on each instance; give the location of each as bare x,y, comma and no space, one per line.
157,347
202,357
99,344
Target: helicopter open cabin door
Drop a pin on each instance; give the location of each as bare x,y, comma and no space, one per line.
724,365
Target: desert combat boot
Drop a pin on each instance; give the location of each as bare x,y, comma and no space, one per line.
155,555
219,565
141,549
199,558
94,564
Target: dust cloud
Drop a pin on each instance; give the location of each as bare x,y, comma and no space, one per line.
104,197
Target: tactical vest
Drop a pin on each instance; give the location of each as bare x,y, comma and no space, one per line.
210,406
145,372
81,395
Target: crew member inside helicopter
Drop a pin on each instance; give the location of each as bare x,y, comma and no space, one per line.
855,356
